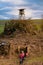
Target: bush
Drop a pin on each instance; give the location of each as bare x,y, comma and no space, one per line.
19,25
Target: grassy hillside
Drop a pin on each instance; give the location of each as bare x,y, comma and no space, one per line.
2,24
37,22
34,43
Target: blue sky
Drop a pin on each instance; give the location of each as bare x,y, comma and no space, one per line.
9,8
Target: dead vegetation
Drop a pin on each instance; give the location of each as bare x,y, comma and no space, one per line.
23,35
21,26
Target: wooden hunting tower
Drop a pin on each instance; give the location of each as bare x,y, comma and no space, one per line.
21,14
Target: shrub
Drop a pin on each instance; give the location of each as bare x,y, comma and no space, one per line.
20,25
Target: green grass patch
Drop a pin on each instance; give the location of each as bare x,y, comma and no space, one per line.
34,59
1,29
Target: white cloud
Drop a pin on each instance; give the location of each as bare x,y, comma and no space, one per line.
15,11
37,10
5,8
3,17
16,2
29,12
36,17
